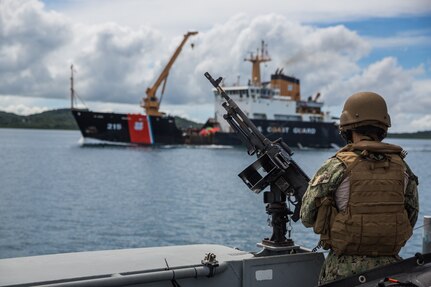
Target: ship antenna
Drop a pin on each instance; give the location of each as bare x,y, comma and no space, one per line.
261,57
74,97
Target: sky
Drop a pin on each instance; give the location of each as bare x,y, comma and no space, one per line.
119,47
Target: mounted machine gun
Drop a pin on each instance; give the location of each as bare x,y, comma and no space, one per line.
274,167
151,103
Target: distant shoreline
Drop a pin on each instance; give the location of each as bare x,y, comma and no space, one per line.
62,119
426,135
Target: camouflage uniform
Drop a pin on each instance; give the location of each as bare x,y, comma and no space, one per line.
324,183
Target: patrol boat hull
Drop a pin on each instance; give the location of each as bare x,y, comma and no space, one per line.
163,266
294,133
188,266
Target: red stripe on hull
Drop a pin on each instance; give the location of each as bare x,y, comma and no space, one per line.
139,129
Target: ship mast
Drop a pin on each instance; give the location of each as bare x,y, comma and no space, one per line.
72,90
151,103
260,57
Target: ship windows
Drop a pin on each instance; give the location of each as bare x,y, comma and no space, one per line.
238,93
266,93
243,93
281,117
259,116
287,117
290,87
315,119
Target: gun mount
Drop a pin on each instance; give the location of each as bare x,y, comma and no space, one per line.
274,167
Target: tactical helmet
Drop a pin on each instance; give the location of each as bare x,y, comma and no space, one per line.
364,109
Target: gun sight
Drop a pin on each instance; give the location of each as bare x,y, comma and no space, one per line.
215,83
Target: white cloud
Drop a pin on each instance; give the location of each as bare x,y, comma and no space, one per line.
386,77
401,40
29,36
407,96
116,63
24,110
423,123
22,105
177,16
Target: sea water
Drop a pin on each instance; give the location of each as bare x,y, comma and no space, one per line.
57,195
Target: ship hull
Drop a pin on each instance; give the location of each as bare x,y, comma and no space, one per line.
294,133
128,128
147,130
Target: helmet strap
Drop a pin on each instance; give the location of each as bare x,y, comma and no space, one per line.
347,136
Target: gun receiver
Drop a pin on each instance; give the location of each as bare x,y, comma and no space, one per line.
274,167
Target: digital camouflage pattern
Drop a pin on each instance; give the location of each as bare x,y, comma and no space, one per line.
324,183
337,267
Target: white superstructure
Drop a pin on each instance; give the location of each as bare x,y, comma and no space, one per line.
276,100
262,103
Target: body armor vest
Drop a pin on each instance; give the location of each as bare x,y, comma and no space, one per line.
375,222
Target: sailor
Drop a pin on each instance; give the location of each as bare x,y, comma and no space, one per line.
363,201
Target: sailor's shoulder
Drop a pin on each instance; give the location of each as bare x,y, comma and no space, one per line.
328,172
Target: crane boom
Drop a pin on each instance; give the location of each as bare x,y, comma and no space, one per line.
151,103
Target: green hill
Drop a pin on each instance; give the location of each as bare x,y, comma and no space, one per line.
416,135
60,119
54,119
